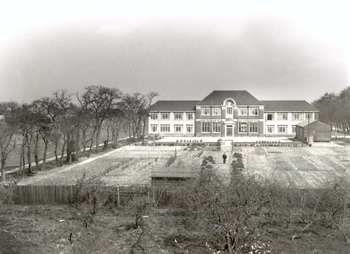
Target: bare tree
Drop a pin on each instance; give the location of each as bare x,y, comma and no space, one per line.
8,129
101,100
136,110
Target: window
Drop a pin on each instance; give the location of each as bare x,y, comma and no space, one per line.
282,128
178,127
309,115
205,111
178,115
293,128
154,116
269,116
165,115
229,111
242,111
242,127
154,127
253,127
165,128
216,127
297,116
282,116
189,116
205,127
253,111
189,128
216,111
270,129
229,103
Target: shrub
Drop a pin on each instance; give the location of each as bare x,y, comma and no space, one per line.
170,161
7,194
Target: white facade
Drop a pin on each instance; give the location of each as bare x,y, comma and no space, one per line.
178,123
283,123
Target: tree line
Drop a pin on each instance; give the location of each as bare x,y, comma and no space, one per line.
71,128
335,109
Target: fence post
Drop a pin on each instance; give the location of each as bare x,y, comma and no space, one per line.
118,201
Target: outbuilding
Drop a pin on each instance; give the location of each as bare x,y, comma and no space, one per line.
313,131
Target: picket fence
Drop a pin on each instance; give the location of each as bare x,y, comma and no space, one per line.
61,194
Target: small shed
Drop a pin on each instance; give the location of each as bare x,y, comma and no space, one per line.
166,181
313,131
173,174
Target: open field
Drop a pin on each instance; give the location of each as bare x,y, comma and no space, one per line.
128,165
301,167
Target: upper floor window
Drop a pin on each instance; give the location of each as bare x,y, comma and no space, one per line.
205,111
154,116
229,111
178,115
282,116
297,116
253,111
189,116
309,115
165,115
242,111
216,111
270,116
229,103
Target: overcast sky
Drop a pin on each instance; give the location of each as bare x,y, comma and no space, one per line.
274,49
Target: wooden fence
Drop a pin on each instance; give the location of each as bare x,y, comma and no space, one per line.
60,194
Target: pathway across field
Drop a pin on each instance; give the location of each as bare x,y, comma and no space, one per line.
301,167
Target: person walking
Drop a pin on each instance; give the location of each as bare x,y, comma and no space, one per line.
224,157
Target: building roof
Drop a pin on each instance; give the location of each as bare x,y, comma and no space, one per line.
174,106
241,97
307,122
285,106
174,173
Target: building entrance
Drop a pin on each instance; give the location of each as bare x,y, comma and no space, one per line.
229,130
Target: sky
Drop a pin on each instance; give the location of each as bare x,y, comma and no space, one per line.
276,50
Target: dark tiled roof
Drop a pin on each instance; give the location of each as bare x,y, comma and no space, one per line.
287,106
241,97
307,122
174,173
174,106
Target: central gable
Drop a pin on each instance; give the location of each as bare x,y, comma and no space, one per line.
240,97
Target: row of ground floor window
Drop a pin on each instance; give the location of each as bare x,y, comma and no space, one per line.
218,127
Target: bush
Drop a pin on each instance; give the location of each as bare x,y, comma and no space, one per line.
7,194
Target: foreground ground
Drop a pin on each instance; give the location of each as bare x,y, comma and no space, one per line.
58,229
61,229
